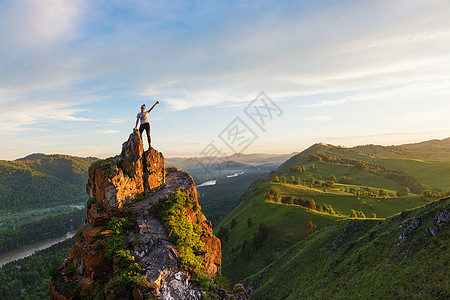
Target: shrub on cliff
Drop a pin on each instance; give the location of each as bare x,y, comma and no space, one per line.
130,273
184,234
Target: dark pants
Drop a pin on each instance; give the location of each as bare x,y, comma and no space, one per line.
146,126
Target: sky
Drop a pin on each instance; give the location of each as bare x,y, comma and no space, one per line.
231,76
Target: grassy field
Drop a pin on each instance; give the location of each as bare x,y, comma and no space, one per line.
345,202
429,173
339,171
287,222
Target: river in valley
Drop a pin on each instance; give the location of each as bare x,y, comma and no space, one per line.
30,249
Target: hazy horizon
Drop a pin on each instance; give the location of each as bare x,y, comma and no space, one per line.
74,74
249,153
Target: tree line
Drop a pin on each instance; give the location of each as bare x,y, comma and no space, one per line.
274,196
36,231
29,278
24,190
45,180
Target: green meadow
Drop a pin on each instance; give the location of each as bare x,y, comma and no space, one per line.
429,173
382,207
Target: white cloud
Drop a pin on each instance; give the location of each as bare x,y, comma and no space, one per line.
287,60
15,114
29,23
287,54
106,131
439,87
401,40
317,118
198,97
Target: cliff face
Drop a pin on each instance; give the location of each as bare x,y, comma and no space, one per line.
130,186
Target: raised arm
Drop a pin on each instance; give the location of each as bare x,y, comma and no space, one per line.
152,107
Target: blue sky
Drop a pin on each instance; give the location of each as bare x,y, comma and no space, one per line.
73,74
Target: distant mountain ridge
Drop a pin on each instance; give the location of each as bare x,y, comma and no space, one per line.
427,150
37,156
445,143
254,159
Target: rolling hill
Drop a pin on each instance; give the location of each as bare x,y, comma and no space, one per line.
325,189
43,180
413,164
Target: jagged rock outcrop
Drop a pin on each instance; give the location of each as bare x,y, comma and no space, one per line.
120,179
131,184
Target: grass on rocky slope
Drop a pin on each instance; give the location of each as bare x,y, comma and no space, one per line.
404,257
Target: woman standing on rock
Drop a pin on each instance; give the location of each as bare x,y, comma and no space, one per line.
143,117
